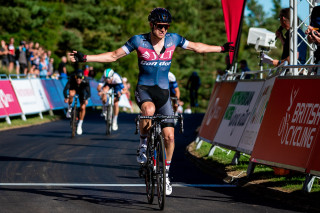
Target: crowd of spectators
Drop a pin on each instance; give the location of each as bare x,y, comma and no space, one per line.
31,58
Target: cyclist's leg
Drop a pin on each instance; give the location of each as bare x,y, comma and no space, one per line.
168,129
82,112
147,108
115,113
117,90
70,100
168,135
104,99
72,93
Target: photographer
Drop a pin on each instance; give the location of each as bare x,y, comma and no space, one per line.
314,35
284,18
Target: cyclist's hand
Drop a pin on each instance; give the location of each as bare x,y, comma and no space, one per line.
77,56
66,100
227,47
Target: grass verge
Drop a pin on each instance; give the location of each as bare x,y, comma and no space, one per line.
263,175
17,122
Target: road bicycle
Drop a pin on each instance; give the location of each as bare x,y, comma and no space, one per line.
74,116
154,170
108,115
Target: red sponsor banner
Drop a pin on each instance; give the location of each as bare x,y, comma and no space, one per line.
289,130
219,101
314,163
8,99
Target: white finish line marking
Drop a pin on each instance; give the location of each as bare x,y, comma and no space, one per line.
114,185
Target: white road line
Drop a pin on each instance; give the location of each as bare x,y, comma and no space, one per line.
114,185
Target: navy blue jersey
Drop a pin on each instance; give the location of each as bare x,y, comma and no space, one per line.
154,68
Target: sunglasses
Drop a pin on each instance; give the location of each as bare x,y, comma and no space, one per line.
78,77
160,26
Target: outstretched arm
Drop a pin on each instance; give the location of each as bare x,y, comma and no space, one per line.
205,48
106,57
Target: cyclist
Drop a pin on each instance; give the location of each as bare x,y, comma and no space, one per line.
111,79
77,84
174,90
155,51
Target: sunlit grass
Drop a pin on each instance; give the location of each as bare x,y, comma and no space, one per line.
17,121
262,173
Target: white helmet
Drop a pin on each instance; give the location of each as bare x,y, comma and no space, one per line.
108,73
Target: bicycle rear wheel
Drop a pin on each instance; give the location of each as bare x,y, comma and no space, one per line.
149,174
161,171
109,120
73,121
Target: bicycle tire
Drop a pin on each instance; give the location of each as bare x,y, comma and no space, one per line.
73,121
161,171
109,120
149,172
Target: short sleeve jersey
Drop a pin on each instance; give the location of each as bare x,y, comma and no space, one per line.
172,83
154,68
116,82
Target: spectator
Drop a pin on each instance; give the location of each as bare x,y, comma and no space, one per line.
126,91
21,57
4,54
302,48
92,73
188,110
43,69
244,68
220,74
314,35
193,86
62,67
86,71
11,55
50,67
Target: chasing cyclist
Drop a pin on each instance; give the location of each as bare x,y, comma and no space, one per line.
77,84
155,51
111,79
174,91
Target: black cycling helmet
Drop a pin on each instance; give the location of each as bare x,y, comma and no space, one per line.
79,74
159,15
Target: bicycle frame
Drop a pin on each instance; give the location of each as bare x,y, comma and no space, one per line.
109,115
74,116
154,170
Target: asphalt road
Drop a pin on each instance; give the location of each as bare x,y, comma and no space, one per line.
43,170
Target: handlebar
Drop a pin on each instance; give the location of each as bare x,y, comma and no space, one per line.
160,118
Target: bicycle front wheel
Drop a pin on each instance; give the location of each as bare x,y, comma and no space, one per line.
73,121
109,120
149,174
161,171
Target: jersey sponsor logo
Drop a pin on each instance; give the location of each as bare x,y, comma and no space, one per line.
146,55
155,63
167,55
150,55
148,63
